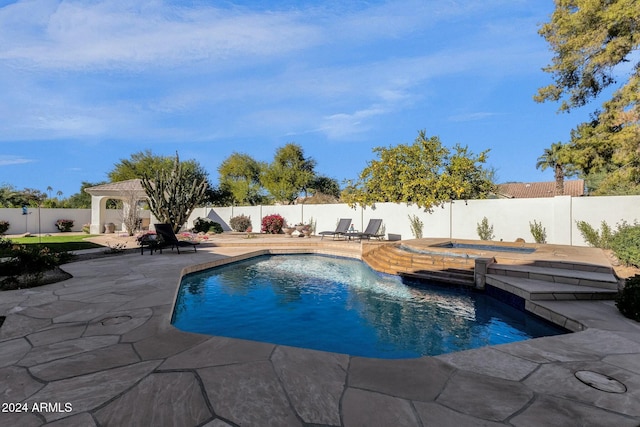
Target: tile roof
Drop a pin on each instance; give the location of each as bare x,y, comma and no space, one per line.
116,187
527,190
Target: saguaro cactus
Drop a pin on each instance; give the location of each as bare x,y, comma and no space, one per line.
173,195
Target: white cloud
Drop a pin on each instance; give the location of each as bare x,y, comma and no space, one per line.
347,125
7,160
119,69
103,35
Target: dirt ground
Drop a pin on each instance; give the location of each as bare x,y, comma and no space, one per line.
622,271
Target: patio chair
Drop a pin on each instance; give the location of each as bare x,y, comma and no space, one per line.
341,229
370,232
165,231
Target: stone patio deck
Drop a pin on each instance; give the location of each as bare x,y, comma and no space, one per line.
102,343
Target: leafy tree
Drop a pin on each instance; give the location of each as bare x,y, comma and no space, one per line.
553,158
146,163
240,176
219,196
10,197
590,39
289,174
608,165
424,173
174,194
324,185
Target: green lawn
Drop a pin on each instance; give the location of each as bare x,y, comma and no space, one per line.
60,243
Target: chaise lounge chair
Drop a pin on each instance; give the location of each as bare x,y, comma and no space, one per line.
341,229
165,231
370,232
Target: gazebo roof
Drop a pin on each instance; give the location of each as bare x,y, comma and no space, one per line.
118,189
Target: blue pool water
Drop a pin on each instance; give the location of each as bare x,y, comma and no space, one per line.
341,305
497,248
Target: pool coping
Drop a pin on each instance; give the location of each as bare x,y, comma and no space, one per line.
119,306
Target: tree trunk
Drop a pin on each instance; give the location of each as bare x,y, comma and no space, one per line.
559,174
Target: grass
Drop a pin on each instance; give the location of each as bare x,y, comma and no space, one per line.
60,243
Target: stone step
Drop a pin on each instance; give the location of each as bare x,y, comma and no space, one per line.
535,290
407,261
378,264
564,265
442,276
556,275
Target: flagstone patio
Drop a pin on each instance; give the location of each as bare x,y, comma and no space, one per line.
98,350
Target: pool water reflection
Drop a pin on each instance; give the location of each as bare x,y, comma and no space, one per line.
341,305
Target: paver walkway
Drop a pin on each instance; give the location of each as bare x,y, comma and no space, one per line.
98,350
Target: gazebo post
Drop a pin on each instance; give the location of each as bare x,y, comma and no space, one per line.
98,212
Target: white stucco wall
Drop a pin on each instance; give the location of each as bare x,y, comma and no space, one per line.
510,218
43,219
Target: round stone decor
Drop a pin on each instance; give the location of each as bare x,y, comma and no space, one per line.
601,382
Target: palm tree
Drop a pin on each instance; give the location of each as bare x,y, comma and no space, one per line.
551,159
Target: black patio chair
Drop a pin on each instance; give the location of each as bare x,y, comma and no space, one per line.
165,231
370,232
341,229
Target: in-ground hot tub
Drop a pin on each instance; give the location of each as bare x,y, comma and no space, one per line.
486,247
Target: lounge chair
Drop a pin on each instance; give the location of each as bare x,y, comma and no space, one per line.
341,229
165,231
370,232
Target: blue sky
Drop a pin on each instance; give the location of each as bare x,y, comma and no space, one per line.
87,83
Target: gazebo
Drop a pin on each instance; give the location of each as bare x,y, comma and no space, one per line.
129,191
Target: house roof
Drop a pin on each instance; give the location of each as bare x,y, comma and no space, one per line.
118,188
528,190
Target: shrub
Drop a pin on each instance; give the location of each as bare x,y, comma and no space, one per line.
485,231
598,239
240,223
628,300
205,225
86,228
29,259
272,224
538,232
416,226
626,244
64,224
4,226
5,243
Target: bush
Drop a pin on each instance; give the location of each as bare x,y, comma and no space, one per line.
29,259
416,226
4,226
240,223
626,244
205,225
272,224
538,232
485,231
64,224
628,300
597,239
86,228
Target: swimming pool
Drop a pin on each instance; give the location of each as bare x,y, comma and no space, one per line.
342,306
